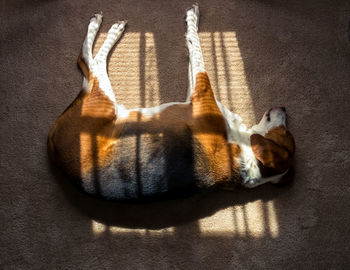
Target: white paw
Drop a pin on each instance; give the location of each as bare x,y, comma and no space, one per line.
97,18
123,23
192,14
118,27
116,30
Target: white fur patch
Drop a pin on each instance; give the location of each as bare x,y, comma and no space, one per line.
93,28
98,65
113,36
149,112
196,58
249,169
273,179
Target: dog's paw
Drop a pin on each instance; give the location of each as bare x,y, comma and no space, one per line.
97,18
192,14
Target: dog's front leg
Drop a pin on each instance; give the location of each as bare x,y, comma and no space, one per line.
196,61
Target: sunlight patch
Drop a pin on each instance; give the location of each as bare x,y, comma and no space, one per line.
134,70
100,229
255,219
225,67
272,218
151,84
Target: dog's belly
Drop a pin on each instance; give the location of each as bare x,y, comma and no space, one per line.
148,161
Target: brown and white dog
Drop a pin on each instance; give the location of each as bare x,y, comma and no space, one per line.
174,148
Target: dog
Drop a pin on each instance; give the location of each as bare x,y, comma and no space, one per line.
172,149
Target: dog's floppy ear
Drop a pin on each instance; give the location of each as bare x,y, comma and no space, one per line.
270,153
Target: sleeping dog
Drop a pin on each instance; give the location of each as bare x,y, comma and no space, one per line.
174,148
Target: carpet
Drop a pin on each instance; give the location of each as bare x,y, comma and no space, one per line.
258,54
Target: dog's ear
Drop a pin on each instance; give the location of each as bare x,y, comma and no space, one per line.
282,137
274,150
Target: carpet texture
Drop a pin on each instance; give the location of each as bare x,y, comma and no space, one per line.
258,54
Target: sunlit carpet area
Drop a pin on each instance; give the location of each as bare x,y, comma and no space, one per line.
258,54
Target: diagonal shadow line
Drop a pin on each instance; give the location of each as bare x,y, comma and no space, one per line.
143,101
215,66
226,68
95,173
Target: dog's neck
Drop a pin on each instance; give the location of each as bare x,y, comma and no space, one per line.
238,133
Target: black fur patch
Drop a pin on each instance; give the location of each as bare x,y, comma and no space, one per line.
151,162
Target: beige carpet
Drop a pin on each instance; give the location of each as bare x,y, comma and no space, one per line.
258,54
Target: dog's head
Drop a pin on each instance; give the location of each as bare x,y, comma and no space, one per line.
272,144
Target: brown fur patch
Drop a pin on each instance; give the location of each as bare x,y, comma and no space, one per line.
209,128
275,150
83,135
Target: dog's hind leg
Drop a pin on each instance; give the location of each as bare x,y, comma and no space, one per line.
113,36
85,59
196,61
100,61
96,68
96,83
